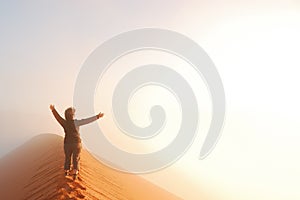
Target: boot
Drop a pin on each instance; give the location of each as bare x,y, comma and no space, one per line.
75,174
67,172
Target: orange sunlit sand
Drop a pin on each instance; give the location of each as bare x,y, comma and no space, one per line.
35,171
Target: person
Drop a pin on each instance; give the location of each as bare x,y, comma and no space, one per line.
72,140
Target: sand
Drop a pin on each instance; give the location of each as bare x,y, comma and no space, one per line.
34,171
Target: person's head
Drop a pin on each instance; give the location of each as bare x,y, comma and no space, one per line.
69,113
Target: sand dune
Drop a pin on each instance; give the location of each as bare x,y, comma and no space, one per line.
34,171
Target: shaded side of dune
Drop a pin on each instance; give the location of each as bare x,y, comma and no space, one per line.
35,171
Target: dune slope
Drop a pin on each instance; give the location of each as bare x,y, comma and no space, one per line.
35,171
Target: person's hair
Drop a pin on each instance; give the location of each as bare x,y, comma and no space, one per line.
69,113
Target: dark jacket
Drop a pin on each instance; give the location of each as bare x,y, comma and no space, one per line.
71,127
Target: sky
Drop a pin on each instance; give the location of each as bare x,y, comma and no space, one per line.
254,45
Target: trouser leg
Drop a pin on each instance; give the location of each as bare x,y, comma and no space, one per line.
76,156
68,154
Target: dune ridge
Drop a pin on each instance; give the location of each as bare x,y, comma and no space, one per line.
34,171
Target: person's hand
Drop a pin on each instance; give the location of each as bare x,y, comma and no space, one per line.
52,107
100,115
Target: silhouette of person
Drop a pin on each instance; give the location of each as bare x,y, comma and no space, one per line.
72,140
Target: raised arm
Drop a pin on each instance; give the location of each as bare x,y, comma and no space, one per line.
88,120
57,116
